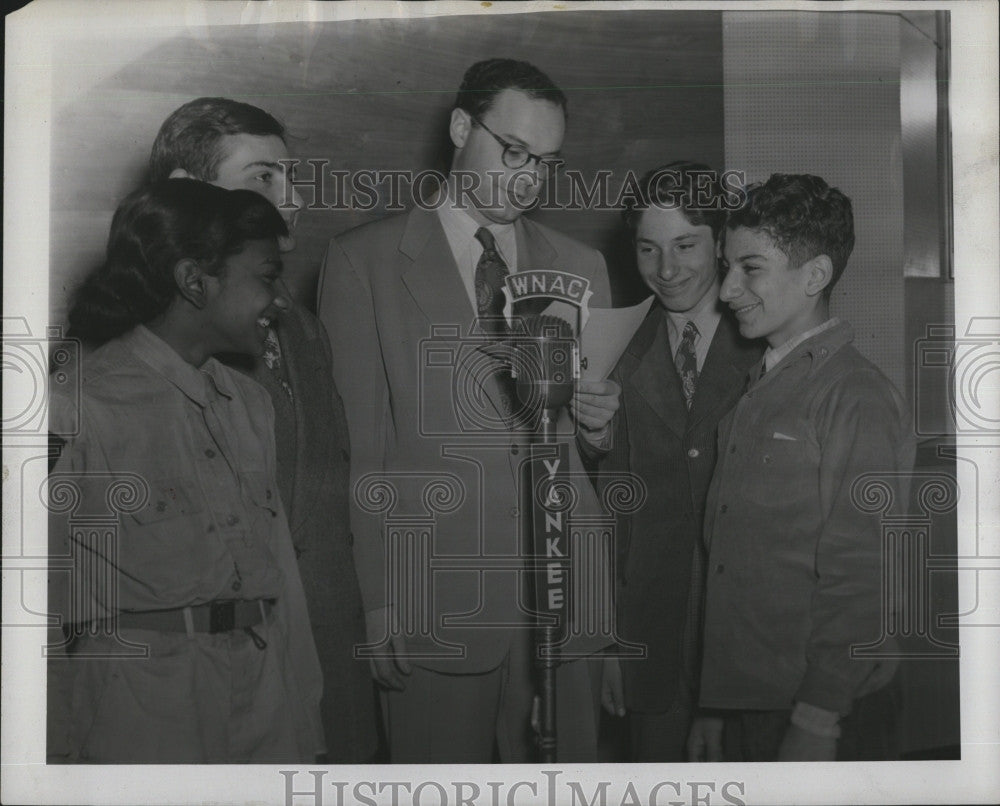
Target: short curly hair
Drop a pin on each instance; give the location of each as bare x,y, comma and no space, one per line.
487,79
804,216
189,138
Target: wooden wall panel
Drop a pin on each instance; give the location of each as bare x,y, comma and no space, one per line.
643,87
827,102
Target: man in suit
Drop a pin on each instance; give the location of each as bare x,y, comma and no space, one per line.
236,145
685,367
460,686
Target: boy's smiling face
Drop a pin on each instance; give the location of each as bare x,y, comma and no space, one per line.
676,259
244,298
771,298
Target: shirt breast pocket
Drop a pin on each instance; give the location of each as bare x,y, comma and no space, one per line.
782,471
263,492
164,544
251,543
169,499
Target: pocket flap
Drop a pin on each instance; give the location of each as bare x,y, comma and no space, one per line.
170,498
262,490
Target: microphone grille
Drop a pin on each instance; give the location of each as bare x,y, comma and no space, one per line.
548,326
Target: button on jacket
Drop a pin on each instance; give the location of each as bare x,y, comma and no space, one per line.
199,444
672,450
795,569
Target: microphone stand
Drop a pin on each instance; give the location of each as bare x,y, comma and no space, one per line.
547,379
547,652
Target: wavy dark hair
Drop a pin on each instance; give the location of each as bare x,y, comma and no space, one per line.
487,79
679,185
804,216
152,230
190,137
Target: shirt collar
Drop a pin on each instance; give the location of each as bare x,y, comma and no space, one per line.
198,383
774,355
462,228
705,315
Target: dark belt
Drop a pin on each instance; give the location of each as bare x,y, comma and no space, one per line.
213,617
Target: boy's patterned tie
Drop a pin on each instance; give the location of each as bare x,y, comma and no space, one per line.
490,274
687,363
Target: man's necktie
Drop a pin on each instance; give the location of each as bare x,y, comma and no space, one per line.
490,274
687,363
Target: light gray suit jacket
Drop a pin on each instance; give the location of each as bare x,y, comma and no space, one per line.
383,287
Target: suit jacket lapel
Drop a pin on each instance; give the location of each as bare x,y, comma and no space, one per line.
432,278
721,379
654,376
436,286
533,249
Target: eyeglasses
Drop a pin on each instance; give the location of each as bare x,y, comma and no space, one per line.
517,156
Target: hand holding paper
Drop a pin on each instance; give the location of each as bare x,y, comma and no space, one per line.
595,403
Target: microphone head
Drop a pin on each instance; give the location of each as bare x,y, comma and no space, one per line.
547,326
545,364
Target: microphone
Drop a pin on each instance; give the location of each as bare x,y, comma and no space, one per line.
545,367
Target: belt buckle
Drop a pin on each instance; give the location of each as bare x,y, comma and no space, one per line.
222,616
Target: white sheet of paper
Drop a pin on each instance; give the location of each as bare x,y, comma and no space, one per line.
605,337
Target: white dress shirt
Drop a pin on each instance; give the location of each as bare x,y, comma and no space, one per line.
706,316
460,229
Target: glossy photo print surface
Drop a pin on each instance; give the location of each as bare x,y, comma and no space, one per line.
500,403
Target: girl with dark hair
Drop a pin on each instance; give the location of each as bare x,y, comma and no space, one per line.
175,223
186,625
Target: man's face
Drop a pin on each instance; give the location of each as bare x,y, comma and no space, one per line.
534,123
676,259
244,298
767,294
250,162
